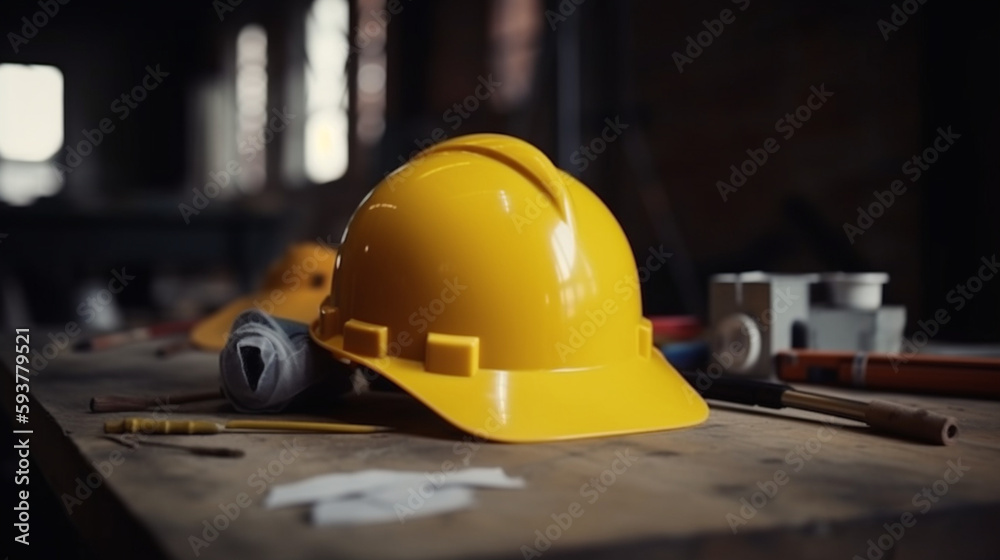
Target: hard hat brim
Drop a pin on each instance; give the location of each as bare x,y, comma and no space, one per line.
640,395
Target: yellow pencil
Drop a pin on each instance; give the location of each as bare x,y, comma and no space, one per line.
151,426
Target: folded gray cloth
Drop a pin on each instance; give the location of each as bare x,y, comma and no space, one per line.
267,362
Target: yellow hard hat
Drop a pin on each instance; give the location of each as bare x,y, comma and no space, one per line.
293,288
501,293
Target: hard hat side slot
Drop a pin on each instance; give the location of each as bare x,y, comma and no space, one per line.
366,339
452,354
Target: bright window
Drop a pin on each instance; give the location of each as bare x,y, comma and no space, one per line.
31,131
31,112
369,42
327,127
251,105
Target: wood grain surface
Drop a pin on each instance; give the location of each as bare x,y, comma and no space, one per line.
676,494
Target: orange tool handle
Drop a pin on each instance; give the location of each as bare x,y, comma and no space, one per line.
942,375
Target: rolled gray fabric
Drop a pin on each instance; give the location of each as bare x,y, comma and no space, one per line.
267,362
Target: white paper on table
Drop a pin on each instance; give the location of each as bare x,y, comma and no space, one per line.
330,487
391,505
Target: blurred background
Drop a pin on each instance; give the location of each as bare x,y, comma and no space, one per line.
183,145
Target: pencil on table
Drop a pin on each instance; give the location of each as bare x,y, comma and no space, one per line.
151,426
113,340
172,348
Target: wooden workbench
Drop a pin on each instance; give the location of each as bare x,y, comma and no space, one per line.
680,497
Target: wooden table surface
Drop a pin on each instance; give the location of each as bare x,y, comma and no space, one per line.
682,495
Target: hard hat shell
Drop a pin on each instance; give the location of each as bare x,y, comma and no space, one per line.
293,288
501,293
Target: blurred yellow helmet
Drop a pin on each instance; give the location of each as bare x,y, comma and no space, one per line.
502,293
293,287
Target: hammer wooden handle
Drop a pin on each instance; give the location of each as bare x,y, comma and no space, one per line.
123,403
914,423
